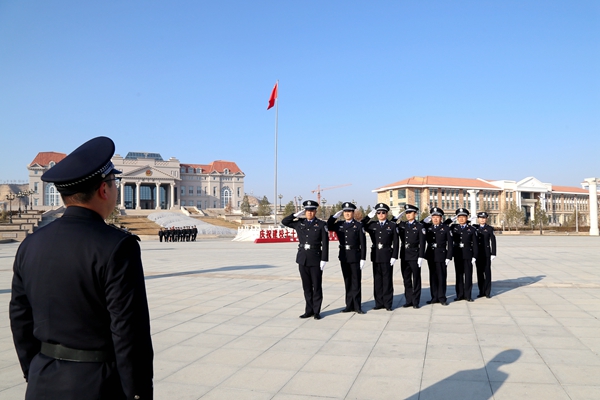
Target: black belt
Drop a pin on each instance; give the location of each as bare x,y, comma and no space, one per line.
60,352
349,247
307,246
412,245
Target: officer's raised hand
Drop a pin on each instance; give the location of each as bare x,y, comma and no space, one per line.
338,214
400,215
300,214
427,219
372,213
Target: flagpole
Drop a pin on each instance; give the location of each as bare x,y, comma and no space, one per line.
276,121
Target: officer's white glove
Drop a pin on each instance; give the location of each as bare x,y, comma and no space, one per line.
473,260
338,214
400,215
362,264
447,261
300,214
427,219
419,262
323,264
372,213
392,262
473,219
492,258
454,218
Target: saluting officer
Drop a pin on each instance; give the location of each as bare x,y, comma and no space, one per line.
412,253
353,253
313,254
464,237
78,309
438,254
384,253
486,241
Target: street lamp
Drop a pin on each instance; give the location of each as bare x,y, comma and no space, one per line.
20,195
280,197
10,197
323,202
299,202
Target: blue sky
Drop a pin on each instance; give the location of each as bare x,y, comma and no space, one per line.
370,92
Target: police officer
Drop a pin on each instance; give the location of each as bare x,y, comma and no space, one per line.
412,253
384,253
313,254
161,234
438,254
464,237
353,253
78,309
486,241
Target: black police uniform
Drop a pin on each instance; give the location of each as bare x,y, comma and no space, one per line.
78,310
464,238
384,239
161,233
313,247
412,235
353,249
439,249
486,244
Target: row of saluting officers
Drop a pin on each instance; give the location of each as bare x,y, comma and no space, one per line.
413,241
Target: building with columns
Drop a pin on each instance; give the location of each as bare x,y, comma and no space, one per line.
150,183
492,196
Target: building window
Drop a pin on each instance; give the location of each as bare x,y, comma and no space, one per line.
199,190
226,171
183,190
191,190
52,195
183,203
238,192
418,198
225,196
401,193
199,204
35,201
214,204
215,192
35,187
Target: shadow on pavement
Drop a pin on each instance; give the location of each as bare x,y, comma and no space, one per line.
204,271
468,384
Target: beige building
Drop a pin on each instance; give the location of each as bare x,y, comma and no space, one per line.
149,182
559,202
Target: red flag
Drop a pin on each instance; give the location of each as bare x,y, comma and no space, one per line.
273,96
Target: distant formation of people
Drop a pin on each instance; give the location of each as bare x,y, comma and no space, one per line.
178,234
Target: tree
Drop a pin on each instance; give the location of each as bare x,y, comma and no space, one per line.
228,207
264,207
424,214
539,216
245,207
513,216
289,208
113,218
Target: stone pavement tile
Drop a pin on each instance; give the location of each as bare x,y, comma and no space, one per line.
568,314
544,330
588,322
181,353
399,350
288,396
450,388
8,358
164,368
404,368
248,320
592,343
195,326
569,356
11,376
334,364
370,321
220,393
581,392
357,335
495,320
520,372
303,346
536,321
319,384
233,357
259,379
183,391
229,328
268,330
404,326
570,374
371,387
512,391
271,359
216,317
448,328
584,331
526,354
556,342
465,338
13,392
202,374
208,340
252,343
452,352
391,336
470,370
485,329
339,347
506,340
312,332
451,319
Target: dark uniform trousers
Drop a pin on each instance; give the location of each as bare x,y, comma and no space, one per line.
352,242
486,248
385,247
413,246
313,248
439,248
465,249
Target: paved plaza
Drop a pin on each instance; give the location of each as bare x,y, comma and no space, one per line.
225,325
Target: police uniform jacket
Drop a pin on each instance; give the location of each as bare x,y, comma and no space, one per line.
313,238
439,242
384,239
486,240
413,238
79,282
465,241
352,240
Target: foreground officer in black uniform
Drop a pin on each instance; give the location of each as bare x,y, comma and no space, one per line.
353,253
78,310
464,237
412,253
438,254
486,241
384,253
313,254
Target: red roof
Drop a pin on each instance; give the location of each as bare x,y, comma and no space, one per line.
216,166
439,181
569,189
43,158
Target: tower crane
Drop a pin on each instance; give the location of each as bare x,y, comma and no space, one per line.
318,190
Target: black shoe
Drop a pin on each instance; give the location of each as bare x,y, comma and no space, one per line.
480,295
407,305
443,303
346,310
432,302
489,297
307,315
416,306
359,311
317,316
388,309
458,299
470,300
377,307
